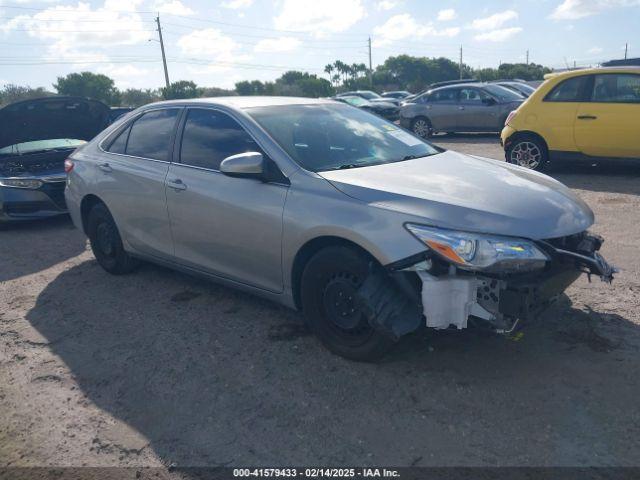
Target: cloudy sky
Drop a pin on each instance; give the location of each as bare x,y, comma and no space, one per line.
217,43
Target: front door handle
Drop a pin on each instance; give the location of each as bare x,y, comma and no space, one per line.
460,108
587,117
177,184
105,167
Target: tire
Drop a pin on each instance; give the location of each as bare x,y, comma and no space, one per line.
421,126
106,243
528,151
328,286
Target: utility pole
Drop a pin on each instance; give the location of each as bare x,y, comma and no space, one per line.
370,66
164,58
527,57
460,62
626,49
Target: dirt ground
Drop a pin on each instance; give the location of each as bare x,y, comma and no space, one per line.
158,368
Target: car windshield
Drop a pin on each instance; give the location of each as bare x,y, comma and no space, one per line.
523,87
356,101
325,137
503,94
40,145
369,95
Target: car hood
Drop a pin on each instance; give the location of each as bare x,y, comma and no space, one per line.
51,118
462,192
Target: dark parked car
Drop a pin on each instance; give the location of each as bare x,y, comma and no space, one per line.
466,107
117,112
36,136
518,87
398,95
387,110
369,95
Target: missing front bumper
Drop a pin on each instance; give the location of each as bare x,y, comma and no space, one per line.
451,297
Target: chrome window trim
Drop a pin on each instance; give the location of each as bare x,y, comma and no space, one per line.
127,124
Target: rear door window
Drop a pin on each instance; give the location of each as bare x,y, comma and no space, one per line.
151,134
616,88
449,95
571,90
210,136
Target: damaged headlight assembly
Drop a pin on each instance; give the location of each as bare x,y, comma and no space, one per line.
27,183
481,252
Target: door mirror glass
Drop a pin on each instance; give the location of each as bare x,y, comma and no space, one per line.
248,164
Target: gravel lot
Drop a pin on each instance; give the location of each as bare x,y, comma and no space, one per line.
158,368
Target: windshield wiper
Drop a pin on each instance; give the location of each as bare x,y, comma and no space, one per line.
347,166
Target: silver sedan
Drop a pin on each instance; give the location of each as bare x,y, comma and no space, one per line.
368,229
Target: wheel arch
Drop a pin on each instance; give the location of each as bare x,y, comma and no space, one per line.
527,133
308,250
87,203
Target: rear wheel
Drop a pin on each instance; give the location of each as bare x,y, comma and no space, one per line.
106,242
529,152
421,126
329,286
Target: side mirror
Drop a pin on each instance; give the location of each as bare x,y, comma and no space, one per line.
248,164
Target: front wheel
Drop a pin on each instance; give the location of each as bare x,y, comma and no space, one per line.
106,242
529,152
329,286
421,127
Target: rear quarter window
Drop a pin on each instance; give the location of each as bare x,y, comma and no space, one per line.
151,134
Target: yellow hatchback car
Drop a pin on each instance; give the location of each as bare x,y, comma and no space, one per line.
582,114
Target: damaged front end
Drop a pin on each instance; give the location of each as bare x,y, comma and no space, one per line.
469,279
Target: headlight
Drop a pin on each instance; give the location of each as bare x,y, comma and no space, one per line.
473,251
20,183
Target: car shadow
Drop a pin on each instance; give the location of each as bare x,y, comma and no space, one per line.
45,247
211,376
612,176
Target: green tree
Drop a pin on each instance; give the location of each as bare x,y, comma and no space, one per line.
136,97
181,89
11,93
90,85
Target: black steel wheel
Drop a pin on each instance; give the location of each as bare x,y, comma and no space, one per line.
329,288
106,243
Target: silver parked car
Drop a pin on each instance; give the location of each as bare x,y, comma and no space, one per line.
369,230
472,107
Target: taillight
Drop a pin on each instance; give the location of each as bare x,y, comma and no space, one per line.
68,165
510,117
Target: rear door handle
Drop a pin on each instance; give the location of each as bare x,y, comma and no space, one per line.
460,108
587,117
176,184
105,167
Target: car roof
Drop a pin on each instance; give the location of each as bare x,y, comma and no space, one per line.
240,102
591,71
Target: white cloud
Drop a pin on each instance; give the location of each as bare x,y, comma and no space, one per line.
172,7
319,16
499,35
574,9
447,14
80,33
494,21
403,26
595,50
386,5
215,51
237,4
277,45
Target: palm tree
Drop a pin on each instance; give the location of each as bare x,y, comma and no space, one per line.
328,70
